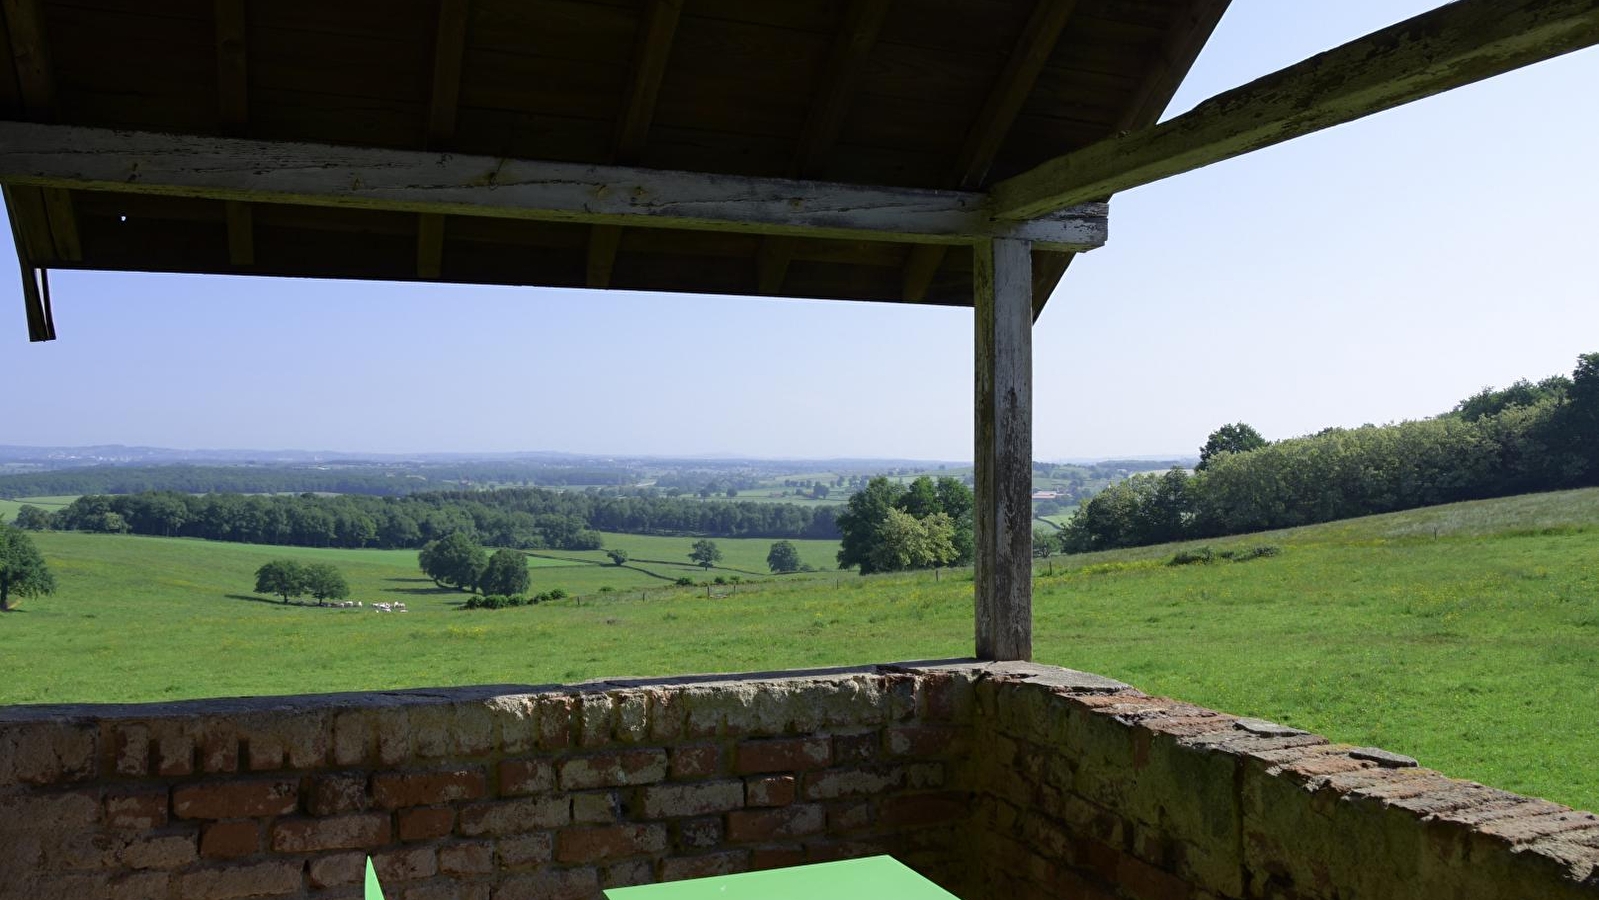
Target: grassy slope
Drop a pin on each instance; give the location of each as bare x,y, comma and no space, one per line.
1467,635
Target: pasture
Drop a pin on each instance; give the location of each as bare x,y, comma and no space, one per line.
1466,635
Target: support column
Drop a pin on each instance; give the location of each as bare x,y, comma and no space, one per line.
1003,517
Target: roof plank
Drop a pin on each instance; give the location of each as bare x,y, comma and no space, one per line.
654,47
846,63
449,49
988,132
1453,45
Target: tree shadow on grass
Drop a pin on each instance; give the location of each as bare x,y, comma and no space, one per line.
254,599
410,580
426,590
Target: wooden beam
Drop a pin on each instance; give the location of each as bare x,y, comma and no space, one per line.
846,63
656,30
36,82
233,109
35,286
218,168
993,123
1451,46
1002,518
449,50
1184,41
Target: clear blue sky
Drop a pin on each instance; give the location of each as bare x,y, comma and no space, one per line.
1375,272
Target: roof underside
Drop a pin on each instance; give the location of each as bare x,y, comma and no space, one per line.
739,93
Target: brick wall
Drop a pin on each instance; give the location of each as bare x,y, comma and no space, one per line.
478,793
998,780
1094,790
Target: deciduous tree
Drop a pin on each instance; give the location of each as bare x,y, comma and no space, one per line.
705,553
284,577
325,583
23,572
1236,438
505,574
783,557
454,560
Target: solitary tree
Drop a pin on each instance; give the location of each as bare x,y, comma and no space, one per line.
1236,438
453,561
705,553
783,557
618,556
22,569
505,574
325,583
283,577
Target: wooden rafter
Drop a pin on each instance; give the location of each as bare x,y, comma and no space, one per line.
1453,45
217,168
656,30
36,82
846,63
1184,41
233,100
449,49
993,123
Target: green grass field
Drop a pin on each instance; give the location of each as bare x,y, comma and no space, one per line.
1467,636
9,508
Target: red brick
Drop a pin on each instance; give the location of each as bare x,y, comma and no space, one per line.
1146,882
141,886
850,816
230,840
594,809
144,810
922,741
225,883
938,695
617,769
263,753
784,755
727,862
161,852
469,858
342,868
405,865
555,722
219,748
663,801
1100,859
923,809
770,790
746,825
699,833
348,832
859,747
514,816
762,858
696,761
236,799
525,850
526,776
328,795
174,751
393,790
627,873
131,743
586,845
562,884
424,823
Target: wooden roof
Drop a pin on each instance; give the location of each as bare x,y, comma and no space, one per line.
904,93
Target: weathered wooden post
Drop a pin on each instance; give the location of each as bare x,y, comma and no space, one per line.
1002,519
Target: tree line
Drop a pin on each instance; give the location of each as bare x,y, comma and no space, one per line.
524,518
1524,438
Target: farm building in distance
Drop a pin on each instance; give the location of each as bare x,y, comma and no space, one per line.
949,152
